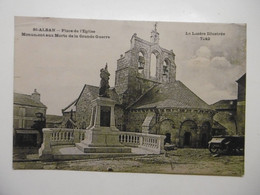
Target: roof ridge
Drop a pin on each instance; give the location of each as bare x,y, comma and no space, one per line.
91,86
22,94
22,99
53,115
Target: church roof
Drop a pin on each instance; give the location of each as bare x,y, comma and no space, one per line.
92,89
170,95
26,100
217,125
225,105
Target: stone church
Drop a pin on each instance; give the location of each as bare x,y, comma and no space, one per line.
148,98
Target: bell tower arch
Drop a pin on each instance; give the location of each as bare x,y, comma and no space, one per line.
145,61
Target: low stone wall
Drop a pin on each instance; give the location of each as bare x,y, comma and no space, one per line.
58,136
150,142
66,136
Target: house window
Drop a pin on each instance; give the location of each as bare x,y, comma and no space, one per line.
21,118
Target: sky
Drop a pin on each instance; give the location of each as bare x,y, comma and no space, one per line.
58,67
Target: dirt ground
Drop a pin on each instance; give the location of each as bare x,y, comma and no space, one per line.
180,161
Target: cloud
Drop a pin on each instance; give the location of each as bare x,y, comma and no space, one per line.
204,52
220,63
211,77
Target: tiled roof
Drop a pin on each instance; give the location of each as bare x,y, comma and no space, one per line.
23,99
171,95
94,90
224,105
217,125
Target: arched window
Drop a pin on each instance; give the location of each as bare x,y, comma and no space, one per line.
141,62
153,65
165,72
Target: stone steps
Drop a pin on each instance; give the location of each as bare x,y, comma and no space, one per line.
84,148
91,156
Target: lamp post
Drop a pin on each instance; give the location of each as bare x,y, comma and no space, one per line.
39,124
42,120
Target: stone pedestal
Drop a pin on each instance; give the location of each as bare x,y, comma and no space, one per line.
102,136
45,151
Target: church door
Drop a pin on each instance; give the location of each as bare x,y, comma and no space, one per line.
187,139
167,138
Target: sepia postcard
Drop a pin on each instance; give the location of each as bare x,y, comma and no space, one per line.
129,96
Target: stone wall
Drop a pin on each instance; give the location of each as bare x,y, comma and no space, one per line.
135,120
121,78
119,117
83,109
175,122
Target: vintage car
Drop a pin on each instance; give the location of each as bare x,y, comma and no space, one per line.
226,144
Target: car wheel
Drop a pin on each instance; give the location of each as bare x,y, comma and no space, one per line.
213,148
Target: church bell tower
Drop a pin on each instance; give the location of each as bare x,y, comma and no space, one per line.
144,65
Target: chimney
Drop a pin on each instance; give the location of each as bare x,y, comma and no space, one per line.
36,96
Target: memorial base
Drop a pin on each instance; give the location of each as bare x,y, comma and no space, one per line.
102,136
102,140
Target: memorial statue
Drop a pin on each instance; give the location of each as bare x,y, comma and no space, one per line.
104,84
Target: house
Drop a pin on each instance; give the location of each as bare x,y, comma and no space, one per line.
28,112
231,113
226,110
